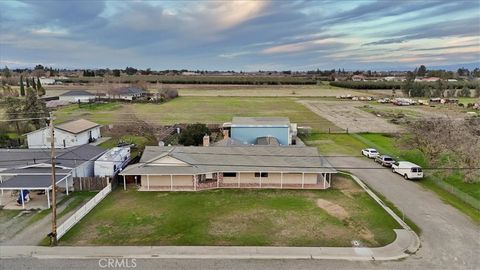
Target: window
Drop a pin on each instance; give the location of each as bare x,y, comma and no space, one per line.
229,174
263,174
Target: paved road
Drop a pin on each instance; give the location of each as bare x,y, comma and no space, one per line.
449,239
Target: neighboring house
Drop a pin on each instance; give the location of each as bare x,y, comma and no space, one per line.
113,161
30,169
427,79
127,93
69,134
358,78
196,168
76,96
248,130
47,81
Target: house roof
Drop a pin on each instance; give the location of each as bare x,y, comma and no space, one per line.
77,126
228,142
260,121
267,140
128,91
238,159
35,171
66,157
14,158
78,155
30,181
77,93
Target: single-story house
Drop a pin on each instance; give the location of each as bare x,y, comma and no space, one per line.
30,169
192,168
69,134
127,93
252,130
76,96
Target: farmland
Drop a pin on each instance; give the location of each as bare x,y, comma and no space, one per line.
197,109
331,217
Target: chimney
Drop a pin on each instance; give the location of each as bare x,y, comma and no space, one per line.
206,140
225,133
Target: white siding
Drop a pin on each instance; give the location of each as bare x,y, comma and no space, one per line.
41,138
75,99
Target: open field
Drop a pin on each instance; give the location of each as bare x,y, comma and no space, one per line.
332,217
345,115
197,109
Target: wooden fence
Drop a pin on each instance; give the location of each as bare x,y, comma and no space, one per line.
90,183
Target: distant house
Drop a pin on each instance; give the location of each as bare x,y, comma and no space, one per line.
205,167
358,78
76,96
257,130
427,79
47,81
69,134
127,93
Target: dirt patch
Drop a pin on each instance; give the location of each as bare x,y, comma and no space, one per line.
346,186
333,209
235,223
345,115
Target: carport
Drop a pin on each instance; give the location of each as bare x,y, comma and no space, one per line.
33,182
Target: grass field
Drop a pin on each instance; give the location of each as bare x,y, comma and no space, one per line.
197,109
237,217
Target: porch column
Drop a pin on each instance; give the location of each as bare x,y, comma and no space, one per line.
124,183
218,180
66,185
303,179
23,199
48,197
260,179
281,180
195,182
239,179
148,181
171,182
1,181
324,181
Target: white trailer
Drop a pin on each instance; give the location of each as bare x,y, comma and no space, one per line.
110,163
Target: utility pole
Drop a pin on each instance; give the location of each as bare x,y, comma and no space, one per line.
53,234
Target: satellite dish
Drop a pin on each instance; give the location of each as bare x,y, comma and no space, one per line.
161,143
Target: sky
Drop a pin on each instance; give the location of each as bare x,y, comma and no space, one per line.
240,35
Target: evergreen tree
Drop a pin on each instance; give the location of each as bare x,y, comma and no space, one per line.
34,85
28,82
35,108
40,89
22,87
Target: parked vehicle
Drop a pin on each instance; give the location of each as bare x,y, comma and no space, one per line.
385,160
370,152
407,169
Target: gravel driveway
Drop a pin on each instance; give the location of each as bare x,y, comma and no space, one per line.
449,239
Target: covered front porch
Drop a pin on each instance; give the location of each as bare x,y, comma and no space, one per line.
194,182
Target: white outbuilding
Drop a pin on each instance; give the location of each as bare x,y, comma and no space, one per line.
69,134
76,96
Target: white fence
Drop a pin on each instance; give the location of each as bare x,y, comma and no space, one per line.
80,213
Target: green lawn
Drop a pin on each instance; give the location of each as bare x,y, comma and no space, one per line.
236,217
103,113
139,141
345,144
